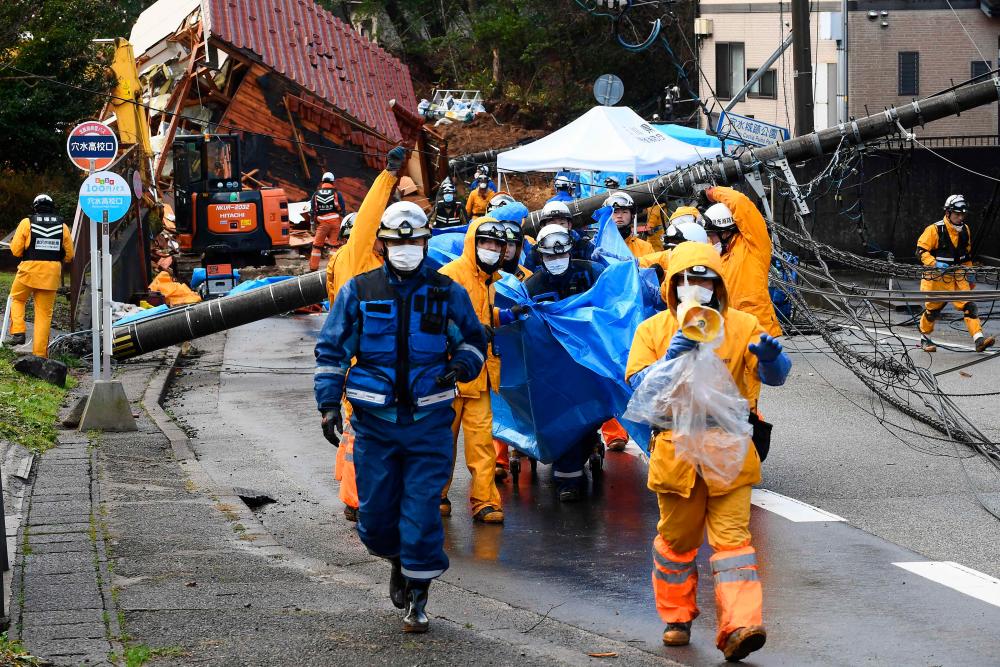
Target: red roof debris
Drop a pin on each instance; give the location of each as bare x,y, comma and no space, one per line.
317,50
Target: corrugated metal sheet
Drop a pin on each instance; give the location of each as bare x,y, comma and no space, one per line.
310,46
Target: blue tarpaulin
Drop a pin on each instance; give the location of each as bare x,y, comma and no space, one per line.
689,135
563,366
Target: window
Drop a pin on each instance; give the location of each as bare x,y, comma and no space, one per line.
729,69
981,68
766,87
909,73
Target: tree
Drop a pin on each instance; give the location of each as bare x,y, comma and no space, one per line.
52,74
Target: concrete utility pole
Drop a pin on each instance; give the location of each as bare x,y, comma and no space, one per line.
201,319
802,63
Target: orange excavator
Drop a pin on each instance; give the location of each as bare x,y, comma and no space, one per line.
214,216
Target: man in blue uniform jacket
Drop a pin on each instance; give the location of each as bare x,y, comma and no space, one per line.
412,333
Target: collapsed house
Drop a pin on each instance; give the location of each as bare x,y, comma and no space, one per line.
306,92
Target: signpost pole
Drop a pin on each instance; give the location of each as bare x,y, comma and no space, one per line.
106,295
95,296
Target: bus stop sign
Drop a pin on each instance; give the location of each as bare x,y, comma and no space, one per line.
92,146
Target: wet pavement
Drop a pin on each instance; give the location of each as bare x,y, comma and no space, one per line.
832,594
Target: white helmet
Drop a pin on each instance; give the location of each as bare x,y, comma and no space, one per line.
347,225
553,240
500,199
404,220
956,203
684,230
43,201
563,183
328,177
718,218
555,209
621,200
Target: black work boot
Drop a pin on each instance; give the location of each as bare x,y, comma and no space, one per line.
416,619
397,584
15,339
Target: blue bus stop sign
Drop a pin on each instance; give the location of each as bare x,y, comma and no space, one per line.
105,193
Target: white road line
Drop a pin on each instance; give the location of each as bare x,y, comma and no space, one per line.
958,577
790,508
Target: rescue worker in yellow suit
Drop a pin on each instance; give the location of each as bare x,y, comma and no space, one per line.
945,246
476,270
361,253
656,217
479,199
623,212
44,244
688,502
686,224
739,233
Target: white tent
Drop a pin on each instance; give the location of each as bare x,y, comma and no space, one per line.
614,139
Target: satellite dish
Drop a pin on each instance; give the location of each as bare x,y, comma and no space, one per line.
608,90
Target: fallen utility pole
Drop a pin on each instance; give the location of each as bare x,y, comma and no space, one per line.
728,170
201,319
483,157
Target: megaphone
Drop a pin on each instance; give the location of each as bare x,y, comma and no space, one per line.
698,322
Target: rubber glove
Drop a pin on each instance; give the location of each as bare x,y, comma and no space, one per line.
394,159
333,427
773,365
767,350
679,344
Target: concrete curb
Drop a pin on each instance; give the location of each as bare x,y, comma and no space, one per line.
256,537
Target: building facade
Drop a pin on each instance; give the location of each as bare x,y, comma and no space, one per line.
897,51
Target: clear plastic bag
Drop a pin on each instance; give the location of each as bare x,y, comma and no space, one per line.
695,397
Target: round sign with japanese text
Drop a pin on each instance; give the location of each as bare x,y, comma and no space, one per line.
92,146
105,192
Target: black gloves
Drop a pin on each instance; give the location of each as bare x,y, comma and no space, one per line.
394,159
701,196
332,427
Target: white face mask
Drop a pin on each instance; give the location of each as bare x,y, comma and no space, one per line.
405,258
488,257
718,247
695,293
556,267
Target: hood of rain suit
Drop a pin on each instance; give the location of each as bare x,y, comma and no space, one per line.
683,257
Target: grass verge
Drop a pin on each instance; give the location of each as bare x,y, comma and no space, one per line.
12,654
28,406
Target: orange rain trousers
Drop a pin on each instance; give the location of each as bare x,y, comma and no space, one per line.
738,593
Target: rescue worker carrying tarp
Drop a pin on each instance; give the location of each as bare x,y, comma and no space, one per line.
361,252
558,278
946,246
558,213
476,271
688,503
412,333
512,215
623,211
479,198
739,233
448,212
327,207
44,244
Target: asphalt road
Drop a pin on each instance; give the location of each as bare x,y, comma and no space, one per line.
833,590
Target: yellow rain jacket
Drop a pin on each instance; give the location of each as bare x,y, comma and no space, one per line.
466,272
667,473
638,246
358,255
929,245
476,204
748,259
655,217
39,274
